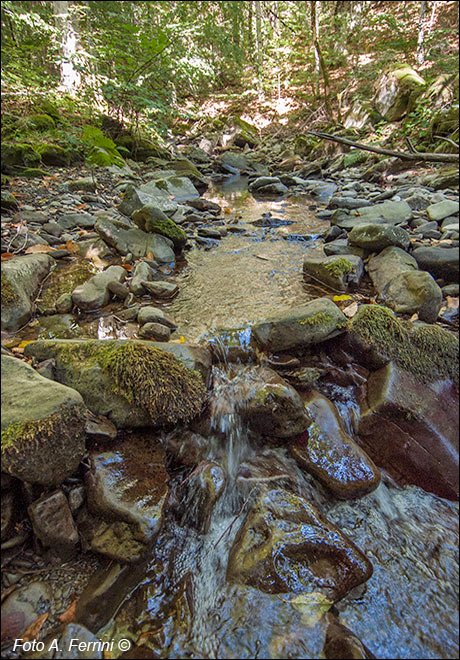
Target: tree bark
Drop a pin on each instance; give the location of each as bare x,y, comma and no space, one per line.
259,54
420,58
404,155
319,56
70,77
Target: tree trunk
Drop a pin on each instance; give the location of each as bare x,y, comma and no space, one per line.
319,56
259,54
420,58
70,77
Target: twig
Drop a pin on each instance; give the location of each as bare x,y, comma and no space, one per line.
227,529
439,137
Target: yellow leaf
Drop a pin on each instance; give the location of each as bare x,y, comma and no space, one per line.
40,247
340,298
24,343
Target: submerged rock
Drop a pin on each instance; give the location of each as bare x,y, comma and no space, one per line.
330,455
300,326
131,382
286,545
410,429
43,425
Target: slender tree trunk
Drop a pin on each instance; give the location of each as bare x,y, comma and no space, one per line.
259,53
70,77
319,56
420,58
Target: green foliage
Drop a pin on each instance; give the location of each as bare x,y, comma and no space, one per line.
102,151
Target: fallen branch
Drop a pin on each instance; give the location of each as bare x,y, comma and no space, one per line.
404,155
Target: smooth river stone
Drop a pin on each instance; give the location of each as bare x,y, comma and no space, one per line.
330,455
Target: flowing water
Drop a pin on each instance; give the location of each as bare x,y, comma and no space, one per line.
185,607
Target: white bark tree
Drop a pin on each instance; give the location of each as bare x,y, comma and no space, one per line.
70,77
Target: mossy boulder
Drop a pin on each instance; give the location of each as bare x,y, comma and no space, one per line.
15,156
8,201
396,91
305,145
445,122
153,221
33,173
376,336
446,177
54,155
43,425
354,157
48,107
131,382
184,167
341,272
40,122
141,148
244,133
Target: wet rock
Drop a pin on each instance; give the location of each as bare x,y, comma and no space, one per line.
272,407
117,541
98,425
388,213
339,272
133,383
53,524
160,289
76,497
286,545
149,314
192,356
209,232
156,331
187,448
409,428
64,303
330,455
404,289
9,506
341,643
153,221
204,205
142,272
21,280
43,436
72,641
95,293
233,159
135,241
198,495
377,237
311,323
342,247
442,210
129,484
23,607
439,261
231,345
136,198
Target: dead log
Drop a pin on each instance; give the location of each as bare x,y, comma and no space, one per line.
404,155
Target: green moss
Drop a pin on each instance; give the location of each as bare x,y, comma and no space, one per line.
151,379
33,172
9,294
64,280
53,154
317,319
15,155
40,122
428,352
353,158
5,180
339,267
161,184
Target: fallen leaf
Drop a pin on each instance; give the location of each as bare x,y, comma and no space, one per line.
227,210
69,615
150,256
350,310
40,247
33,631
261,256
127,267
414,317
7,255
71,247
81,206
452,302
340,298
24,343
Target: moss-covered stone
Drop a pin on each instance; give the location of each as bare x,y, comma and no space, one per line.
320,317
18,155
134,383
354,157
153,221
8,200
339,267
53,154
49,108
64,280
5,180
304,145
33,173
40,122
9,295
428,352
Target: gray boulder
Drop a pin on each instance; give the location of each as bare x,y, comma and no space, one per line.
136,198
439,261
311,323
142,273
135,241
442,210
95,292
337,271
376,237
21,280
267,185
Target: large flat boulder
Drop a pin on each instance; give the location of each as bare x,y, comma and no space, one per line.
131,382
411,429
311,323
136,198
376,237
43,425
340,272
21,280
439,261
